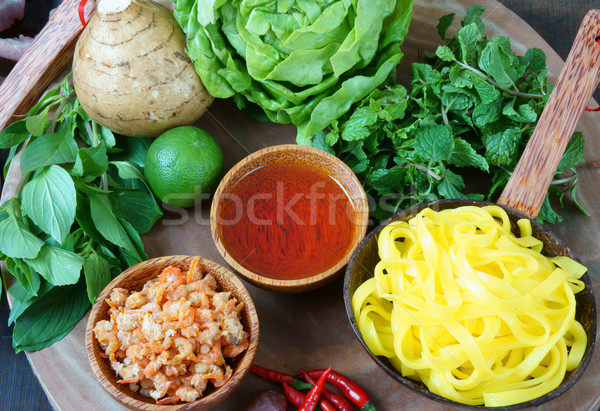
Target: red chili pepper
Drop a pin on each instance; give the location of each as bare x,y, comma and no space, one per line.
82,12
271,375
297,398
337,400
349,388
312,398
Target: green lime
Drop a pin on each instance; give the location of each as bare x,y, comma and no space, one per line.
184,165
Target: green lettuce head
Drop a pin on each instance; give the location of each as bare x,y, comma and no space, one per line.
300,61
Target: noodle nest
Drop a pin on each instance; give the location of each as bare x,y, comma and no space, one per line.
476,313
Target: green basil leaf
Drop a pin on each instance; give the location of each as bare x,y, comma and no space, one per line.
49,200
55,148
50,317
14,134
138,247
138,207
107,224
37,123
97,275
107,136
58,266
84,219
23,299
28,278
94,161
16,240
128,170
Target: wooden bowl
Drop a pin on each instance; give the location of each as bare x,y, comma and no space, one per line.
362,264
133,279
292,154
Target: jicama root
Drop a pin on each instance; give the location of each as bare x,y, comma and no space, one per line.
131,72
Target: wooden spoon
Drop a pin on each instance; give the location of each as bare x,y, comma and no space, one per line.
529,183
47,56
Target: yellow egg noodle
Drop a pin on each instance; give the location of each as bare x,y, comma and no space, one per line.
476,313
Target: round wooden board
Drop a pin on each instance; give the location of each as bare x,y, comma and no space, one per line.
311,330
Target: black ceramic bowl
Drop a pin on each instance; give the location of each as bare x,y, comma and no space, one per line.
365,257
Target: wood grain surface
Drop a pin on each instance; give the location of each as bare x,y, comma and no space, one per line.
294,336
46,58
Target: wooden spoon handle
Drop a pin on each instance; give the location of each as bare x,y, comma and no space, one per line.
46,57
529,183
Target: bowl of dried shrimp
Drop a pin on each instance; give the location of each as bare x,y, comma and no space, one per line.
175,332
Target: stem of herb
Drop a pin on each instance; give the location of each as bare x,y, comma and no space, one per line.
59,111
493,83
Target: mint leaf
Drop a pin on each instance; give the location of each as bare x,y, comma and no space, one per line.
434,143
502,147
497,62
444,24
573,154
388,181
55,148
58,266
468,37
485,114
49,200
536,60
473,16
357,126
451,185
320,142
547,213
487,93
464,155
445,54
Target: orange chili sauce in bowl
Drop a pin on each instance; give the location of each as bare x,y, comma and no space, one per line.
287,215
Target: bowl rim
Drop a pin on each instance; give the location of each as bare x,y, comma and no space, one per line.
361,207
422,389
212,398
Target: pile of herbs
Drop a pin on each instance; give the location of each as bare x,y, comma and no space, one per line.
76,218
471,109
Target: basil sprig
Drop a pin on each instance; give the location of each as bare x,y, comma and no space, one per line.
76,218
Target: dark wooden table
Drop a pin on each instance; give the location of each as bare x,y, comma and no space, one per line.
557,22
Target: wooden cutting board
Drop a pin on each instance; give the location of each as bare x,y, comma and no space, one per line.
311,330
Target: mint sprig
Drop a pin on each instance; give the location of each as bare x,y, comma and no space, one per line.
471,109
